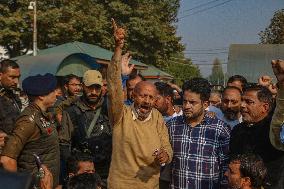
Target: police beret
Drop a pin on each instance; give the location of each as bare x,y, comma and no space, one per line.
39,85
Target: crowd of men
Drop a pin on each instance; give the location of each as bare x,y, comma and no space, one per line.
119,131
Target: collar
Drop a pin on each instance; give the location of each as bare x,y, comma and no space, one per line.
205,121
135,115
44,114
264,121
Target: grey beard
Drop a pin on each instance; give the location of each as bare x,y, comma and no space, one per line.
141,116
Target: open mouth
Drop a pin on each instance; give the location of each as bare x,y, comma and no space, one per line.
145,108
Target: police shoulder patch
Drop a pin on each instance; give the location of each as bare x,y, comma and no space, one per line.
32,117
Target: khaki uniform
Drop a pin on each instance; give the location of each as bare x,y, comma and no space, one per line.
34,133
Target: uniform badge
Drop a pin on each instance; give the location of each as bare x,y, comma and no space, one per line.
45,123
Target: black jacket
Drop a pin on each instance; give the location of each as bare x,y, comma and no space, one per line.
254,138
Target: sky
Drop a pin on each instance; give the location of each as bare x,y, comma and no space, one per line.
208,27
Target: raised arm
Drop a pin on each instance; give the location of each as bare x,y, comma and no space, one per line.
278,115
115,92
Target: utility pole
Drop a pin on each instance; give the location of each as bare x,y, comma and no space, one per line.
33,7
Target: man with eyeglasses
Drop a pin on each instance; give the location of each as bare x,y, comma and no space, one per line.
72,86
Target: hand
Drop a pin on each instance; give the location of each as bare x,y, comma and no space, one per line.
278,69
265,80
125,68
2,138
47,181
174,86
273,89
119,34
161,156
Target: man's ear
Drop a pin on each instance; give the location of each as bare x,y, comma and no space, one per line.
40,98
169,100
205,104
266,107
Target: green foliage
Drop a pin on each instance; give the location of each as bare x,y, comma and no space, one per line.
217,75
274,33
150,25
181,68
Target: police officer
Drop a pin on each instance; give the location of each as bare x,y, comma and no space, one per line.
34,132
85,124
10,104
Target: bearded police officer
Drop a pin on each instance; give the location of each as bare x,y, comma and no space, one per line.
85,124
34,132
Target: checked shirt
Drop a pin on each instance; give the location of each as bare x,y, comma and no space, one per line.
200,153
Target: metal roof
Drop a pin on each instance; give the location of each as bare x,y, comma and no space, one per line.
50,60
154,73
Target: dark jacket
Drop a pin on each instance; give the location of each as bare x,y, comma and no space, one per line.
254,138
75,123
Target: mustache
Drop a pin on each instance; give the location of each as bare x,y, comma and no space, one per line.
187,109
145,105
92,95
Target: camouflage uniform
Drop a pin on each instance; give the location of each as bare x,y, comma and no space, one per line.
34,133
10,108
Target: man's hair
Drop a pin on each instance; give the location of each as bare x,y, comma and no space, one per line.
84,181
240,78
134,75
200,86
8,63
218,92
231,88
69,77
251,166
164,89
263,94
73,161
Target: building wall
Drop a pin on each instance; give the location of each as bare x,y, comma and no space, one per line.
253,60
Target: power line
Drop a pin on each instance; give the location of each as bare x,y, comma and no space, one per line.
221,65
211,53
201,5
217,49
202,10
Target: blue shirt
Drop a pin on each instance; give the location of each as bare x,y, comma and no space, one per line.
200,153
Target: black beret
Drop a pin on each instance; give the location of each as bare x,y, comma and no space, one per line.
39,85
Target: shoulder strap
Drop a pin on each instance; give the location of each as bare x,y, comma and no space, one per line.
90,129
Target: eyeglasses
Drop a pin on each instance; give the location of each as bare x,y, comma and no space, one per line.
75,84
